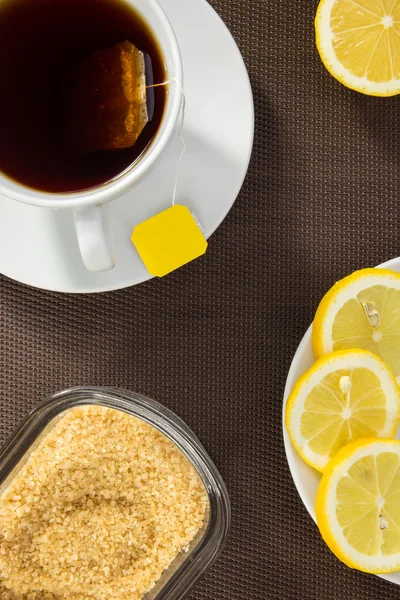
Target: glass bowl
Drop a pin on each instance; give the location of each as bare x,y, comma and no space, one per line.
188,567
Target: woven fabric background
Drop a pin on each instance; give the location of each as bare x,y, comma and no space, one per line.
214,341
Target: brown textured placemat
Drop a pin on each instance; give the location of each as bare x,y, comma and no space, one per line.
214,341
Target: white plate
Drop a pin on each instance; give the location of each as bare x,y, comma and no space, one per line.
39,247
305,477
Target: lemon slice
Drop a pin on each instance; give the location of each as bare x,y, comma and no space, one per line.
361,311
359,43
345,396
358,505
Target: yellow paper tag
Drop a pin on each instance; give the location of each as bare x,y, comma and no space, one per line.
169,240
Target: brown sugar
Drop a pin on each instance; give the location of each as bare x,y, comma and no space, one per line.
100,509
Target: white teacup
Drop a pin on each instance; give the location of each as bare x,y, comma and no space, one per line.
91,217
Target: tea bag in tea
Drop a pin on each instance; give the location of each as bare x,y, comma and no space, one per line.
107,100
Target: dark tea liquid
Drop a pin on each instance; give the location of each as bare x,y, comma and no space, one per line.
40,42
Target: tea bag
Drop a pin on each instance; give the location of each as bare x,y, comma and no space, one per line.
107,100
169,240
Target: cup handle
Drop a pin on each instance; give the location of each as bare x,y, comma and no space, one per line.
95,239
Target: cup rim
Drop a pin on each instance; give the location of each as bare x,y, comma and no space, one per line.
116,186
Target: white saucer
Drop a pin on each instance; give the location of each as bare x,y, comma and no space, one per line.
39,247
305,477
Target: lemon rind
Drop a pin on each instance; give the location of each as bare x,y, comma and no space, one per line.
341,359
342,291
325,506
334,66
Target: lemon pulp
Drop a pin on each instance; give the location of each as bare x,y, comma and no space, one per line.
371,321
352,404
366,37
368,505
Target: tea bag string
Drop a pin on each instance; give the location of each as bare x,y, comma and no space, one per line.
154,85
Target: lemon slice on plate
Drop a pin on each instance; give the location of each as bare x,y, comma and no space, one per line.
345,396
359,43
358,505
361,311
